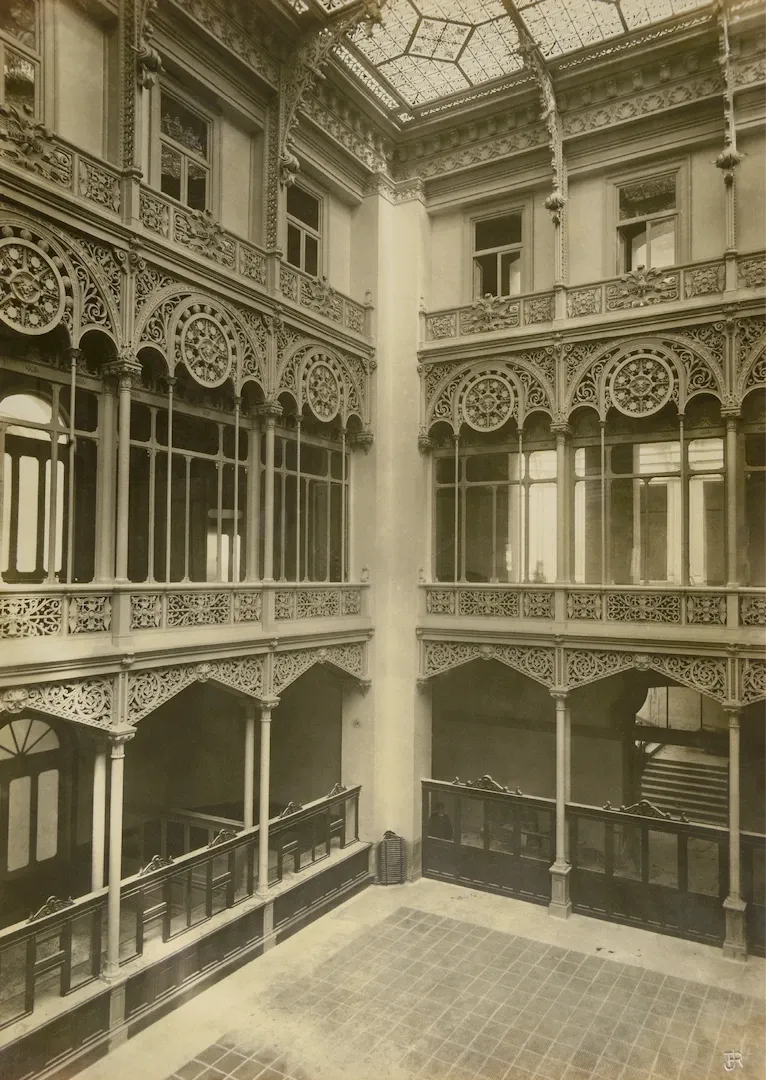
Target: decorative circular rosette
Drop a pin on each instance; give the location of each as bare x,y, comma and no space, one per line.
641,385
487,402
322,391
206,348
33,291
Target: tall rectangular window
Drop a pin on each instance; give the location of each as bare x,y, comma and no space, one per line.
497,256
647,225
20,55
184,153
304,219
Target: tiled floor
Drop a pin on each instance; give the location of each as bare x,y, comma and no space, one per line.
420,993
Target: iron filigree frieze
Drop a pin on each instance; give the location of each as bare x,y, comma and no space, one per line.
288,666
152,687
84,701
538,662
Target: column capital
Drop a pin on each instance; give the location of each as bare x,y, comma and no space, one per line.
269,411
118,737
364,439
267,705
125,369
561,427
560,695
733,713
425,443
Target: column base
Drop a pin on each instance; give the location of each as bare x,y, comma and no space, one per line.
269,937
735,941
560,905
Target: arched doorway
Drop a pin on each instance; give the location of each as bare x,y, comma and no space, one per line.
34,813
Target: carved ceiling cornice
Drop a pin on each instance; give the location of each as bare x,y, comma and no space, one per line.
255,45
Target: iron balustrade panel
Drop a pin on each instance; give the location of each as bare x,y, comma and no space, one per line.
489,839
305,837
667,876
754,890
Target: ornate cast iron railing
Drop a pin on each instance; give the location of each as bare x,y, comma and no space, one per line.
317,295
53,611
316,601
637,289
689,606
163,607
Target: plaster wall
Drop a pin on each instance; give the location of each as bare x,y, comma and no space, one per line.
708,205
751,206
79,76
449,259
338,254
586,217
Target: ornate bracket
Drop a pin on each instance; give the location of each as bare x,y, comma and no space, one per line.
337,789
535,63
729,157
290,809
222,837
303,68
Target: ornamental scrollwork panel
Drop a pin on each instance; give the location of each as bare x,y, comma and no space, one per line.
751,354
538,662
705,674
150,688
332,382
288,666
30,616
485,396
583,666
84,701
752,610
752,680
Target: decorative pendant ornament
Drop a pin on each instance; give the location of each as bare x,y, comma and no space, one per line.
487,403
206,350
641,385
322,392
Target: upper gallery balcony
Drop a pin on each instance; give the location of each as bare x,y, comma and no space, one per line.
638,293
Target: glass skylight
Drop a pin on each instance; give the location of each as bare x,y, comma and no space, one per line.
427,50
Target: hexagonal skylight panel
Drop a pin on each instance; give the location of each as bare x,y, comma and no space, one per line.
439,40
419,80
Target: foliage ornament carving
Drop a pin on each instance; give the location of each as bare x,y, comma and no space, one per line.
52,906
535,661
643,808
222,837
30,616
751,272
752,610
34,293
705,674
640,287
157,862
752,680
30,146
490,313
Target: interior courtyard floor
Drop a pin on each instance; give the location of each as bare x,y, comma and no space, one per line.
437,981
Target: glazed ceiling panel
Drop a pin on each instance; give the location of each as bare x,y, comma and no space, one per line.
425,51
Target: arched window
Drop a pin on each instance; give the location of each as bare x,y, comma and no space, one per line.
30,795
33,502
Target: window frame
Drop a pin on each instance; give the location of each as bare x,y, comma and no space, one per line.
36,57
614,255
172,89
318,235
521,247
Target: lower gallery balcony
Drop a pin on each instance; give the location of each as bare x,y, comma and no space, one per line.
216,831
630,799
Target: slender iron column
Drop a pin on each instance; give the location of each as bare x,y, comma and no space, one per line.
560,904
269,412
98,827
735,941
117,775
248,816
126,370
263,797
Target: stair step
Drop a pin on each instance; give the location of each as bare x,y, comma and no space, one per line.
683,791
691,767
685,782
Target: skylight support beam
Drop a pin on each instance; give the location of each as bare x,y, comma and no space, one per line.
556,201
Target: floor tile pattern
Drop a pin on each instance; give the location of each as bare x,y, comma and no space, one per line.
424,996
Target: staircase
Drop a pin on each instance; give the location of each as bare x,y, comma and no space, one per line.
697,788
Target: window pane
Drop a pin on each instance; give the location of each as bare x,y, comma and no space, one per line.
184,126
755,527
47,814
313,459
196,186
19,795
19,76
510,273
486,282
482,467
18,19
542,532
542,465
656,458
705,454
621,459
636,248
650,196
707,528
497,232
28,530
502,524
304,206
445,534
171,172
472,822
478,534
625,569
293,245
755,449
663,242
5,549
587,508
311,265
